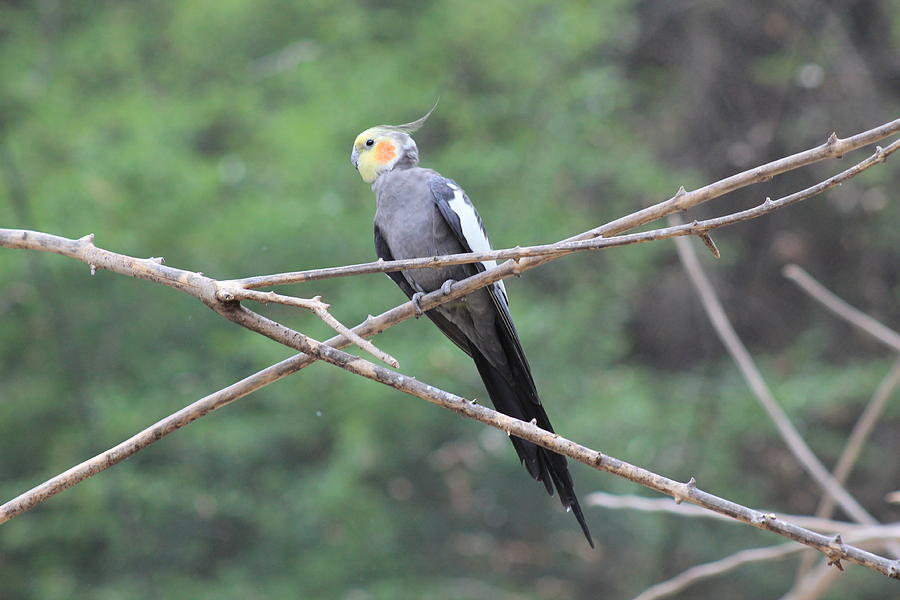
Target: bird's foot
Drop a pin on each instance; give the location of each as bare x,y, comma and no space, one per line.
445,287
415,300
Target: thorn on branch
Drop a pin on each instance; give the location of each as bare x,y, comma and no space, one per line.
681,192
87,239
894,570
683,492
760,175
710,244
764,518
836,552
533,422
160,260
93,269
832,139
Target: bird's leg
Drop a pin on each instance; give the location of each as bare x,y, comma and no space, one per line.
415,300
445,288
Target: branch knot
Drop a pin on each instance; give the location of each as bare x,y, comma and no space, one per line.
683,492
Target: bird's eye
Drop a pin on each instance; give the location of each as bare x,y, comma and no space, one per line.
370,143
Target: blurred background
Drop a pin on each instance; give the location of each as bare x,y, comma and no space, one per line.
217,134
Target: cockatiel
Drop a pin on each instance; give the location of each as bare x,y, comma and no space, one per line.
420,213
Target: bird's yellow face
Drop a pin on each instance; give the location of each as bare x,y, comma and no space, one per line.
374,150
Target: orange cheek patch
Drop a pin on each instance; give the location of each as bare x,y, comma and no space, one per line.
385,152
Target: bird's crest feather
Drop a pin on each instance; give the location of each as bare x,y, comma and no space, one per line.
412,126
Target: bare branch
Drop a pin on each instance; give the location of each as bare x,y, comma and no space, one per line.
867,420
861,431
757,384
688,492
210,291
815,583
141,440
712,569
206,288
876,329
662,505
858,437
315,350
586,241
229,292
83,249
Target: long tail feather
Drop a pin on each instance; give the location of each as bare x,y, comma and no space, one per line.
544,466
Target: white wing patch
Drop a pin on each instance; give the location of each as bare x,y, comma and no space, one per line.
472,231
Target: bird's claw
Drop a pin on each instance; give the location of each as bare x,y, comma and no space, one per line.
415,300
445,287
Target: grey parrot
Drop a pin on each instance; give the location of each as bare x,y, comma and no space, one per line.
420,213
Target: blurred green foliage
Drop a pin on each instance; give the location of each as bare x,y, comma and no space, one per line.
217,134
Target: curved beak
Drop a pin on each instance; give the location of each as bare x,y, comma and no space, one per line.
354,159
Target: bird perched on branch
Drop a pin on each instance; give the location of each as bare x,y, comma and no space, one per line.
420,213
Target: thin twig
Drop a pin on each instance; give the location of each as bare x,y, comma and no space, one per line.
861,430
858,437
829,300
757,384
229,292
151,434
206,289
815,583
663,505
705,571
867,420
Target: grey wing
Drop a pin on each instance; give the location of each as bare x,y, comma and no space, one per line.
465,222
384,253
449,329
